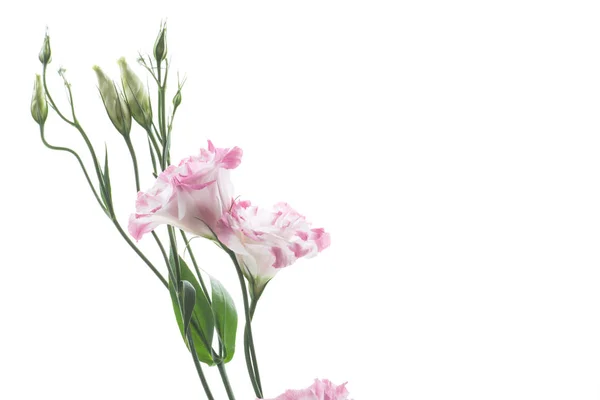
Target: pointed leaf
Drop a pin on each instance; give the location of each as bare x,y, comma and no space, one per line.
105,189
225,318
187,300
202,323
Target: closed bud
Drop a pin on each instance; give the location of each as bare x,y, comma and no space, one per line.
136,95
46,53
177,99
160,46
115,105
39,106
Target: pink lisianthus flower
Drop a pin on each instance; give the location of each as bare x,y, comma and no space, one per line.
319,390
265,241
191,196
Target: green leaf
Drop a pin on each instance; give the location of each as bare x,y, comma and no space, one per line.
225,318
187,300
202,322
105,189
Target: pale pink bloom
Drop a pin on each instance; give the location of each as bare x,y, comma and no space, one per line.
191,196
267,240
320,390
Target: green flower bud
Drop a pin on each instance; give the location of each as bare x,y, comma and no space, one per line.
136,95
160,46
39,107
115,105
177,99
46,53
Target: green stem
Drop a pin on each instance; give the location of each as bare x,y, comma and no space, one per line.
76,125
154,143
139,253
137,187
73,123
225,379
173,241
199,367
161,247
189,248
87,177
249,349
51,101
134,161
162,117
248,340
251,342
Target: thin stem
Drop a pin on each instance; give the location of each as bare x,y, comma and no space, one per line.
199,367
173,241
154,142
76,125
252,369
161,247
51,101
139,253
162,116
249,343
225,379
134,161
250,353
87,177
73,123
189,248
152,158
137,187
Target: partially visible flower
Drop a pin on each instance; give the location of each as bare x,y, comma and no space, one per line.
320,390
267,240
191,196
115,105
136,95
39,106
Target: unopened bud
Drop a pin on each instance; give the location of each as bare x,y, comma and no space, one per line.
115,105
177,99
46,53
160,46
39,106
136,95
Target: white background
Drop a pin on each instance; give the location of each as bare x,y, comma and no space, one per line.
452,149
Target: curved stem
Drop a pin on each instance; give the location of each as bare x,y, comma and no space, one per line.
199,368
189,248
73,123
90,148
51,101
87,177
162,248
139,253
79,128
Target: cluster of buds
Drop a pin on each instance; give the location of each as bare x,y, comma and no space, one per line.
39,105
121,104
